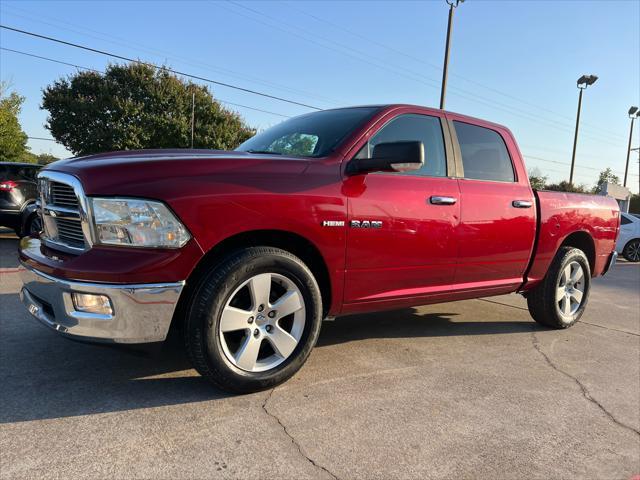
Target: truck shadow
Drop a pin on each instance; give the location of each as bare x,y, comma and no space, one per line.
45,376
409,323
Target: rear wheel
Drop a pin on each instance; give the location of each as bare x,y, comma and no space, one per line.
632,250
559,301
254,320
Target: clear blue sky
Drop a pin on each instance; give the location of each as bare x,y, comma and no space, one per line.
513,62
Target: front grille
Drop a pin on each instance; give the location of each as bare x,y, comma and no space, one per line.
62,211
70,232
63,195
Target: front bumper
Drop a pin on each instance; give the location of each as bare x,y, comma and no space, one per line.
141,313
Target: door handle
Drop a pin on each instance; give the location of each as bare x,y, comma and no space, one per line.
438,200
522,203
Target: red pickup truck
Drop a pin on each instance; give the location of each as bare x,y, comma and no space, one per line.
326,214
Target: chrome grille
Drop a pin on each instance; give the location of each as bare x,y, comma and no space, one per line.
63,211
70,232
63,195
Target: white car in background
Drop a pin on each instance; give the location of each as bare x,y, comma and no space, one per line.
629,240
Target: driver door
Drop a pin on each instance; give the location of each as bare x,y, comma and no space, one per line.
401,240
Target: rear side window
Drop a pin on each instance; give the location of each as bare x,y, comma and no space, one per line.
484,154
624,220
18,172
10,172
413,127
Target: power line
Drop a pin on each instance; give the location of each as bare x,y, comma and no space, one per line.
568,164
42,138
49,59
101,71
177,72
407,73
102,36
439,68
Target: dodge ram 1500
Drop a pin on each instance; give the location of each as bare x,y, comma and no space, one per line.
326,214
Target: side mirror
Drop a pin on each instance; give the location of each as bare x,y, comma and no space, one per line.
390,157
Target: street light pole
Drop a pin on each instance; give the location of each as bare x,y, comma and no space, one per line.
633,114
452,5
583,82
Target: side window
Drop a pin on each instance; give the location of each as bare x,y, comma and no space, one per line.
484,153
413,127
624,220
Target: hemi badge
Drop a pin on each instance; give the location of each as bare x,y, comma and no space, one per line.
333,223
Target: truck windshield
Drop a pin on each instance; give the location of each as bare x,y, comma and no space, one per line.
311,135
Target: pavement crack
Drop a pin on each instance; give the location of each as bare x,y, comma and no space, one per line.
585,391
581,321
609,328
502,304
292,438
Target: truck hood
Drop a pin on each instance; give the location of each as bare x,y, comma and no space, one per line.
130,172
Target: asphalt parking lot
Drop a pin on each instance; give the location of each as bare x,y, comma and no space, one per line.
472,389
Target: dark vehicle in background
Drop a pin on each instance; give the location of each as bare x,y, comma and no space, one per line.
18,194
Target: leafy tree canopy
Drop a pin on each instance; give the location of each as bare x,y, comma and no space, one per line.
13,141
42,158
606,176
135,106
537,180
565,186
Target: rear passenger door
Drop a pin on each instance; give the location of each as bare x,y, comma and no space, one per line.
497,207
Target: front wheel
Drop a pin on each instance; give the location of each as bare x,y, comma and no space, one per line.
33,227
560,299
254,319
632,250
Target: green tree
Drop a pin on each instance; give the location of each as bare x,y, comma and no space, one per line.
634,205
137,106
13,141
606,176
565,186
537,180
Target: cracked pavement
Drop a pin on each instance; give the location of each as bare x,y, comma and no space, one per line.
471,389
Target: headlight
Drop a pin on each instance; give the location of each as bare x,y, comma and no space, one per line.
137,223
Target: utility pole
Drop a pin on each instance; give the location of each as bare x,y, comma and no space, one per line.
452,5
583,82
633,114
193,115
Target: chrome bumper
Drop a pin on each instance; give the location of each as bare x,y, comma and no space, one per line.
141,313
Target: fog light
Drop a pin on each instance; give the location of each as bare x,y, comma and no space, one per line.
89,303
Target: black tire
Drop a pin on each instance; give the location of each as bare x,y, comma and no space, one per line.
203,316
631,250
541,301
32,226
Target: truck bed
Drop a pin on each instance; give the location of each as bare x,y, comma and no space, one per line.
594,219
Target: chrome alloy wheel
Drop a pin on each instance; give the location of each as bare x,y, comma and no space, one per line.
570,289
262,322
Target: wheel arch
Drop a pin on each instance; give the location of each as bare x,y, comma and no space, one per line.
584,241
294,243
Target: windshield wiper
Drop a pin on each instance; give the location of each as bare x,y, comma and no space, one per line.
264,151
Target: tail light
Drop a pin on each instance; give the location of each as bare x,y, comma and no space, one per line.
7,185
